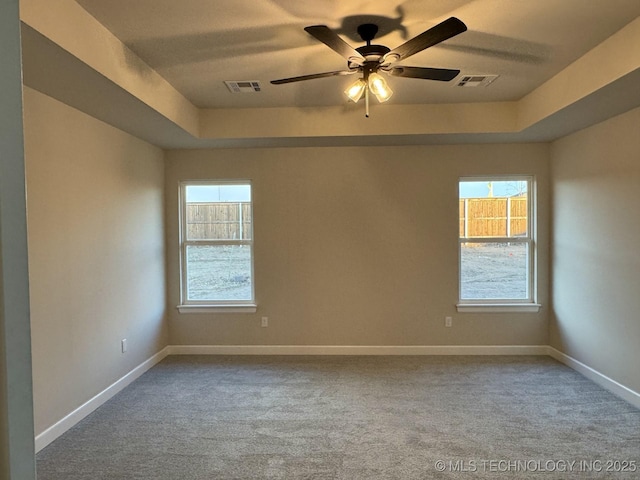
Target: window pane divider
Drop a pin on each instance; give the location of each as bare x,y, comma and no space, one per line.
205,243
495,239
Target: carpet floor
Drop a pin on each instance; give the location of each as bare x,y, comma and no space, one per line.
352,418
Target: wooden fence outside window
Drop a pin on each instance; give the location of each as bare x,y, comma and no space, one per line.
219,221
493,217
479,217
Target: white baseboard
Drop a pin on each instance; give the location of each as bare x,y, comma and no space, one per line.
50,434
614,387
357,350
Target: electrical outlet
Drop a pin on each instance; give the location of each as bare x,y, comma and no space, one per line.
124,345
265,321
448,321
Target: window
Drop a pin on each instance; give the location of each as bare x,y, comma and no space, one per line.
216,246
496,242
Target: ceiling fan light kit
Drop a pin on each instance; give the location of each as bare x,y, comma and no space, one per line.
355,91
370,59
378,86
372,82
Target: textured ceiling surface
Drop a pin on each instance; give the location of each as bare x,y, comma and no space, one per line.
198,44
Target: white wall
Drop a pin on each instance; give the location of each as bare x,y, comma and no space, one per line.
357,246
596,255
96,254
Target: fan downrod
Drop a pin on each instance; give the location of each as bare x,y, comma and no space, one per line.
367,32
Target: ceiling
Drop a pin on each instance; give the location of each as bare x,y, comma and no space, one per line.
156,69
198,44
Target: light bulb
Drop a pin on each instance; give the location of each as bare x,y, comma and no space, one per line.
355,91
379,87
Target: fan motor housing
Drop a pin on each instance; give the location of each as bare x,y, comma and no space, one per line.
373,52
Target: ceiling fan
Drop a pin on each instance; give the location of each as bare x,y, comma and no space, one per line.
371,59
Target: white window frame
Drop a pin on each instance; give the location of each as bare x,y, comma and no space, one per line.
211,306
528,304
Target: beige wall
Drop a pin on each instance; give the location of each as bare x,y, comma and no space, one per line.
96,254
16,412
356,246
596,260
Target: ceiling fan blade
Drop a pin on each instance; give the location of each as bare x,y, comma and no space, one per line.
334,42
313,76
441,74
441,32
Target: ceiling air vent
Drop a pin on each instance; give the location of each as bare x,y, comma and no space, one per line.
475,80
247,86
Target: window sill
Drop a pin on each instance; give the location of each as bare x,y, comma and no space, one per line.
498,307
217,308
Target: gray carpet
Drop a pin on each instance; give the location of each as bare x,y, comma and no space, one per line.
351,418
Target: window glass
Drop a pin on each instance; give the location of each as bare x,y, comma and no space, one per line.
494,271
219,272
495,241
217,243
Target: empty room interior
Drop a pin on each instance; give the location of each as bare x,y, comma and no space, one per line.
238,268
